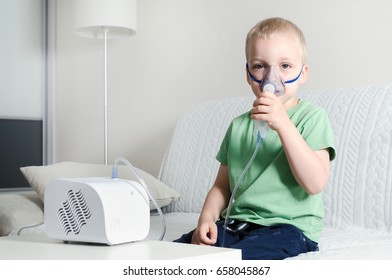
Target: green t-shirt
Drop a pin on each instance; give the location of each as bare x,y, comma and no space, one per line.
269,193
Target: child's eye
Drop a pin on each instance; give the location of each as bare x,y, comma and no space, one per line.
286,66
258,66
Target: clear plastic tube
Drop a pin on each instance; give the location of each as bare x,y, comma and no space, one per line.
133,169
261,129
259,140
19,231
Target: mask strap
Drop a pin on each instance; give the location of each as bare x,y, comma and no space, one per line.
251,75
260,81
296,78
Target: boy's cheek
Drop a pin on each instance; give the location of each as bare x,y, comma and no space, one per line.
256,90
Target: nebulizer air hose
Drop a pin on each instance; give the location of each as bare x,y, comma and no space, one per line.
144,185
261,128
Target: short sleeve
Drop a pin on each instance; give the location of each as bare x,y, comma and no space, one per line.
223,150
317,132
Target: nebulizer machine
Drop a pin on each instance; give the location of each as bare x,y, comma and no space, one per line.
273,83
106,210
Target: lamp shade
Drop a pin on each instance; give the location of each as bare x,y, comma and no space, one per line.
117,17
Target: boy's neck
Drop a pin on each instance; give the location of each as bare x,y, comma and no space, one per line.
292,102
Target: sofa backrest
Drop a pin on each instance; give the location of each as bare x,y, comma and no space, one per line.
189,165
359,192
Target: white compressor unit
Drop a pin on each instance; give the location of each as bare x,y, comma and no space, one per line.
96,210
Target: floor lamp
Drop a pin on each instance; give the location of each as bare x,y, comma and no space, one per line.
105,19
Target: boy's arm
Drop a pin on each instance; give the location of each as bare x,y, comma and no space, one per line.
215,202
310,168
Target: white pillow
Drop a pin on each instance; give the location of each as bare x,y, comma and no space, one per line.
39,176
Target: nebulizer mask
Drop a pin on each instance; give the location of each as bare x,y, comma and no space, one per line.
270,78
271,81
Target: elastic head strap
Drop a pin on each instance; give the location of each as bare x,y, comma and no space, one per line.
296,78
251,75
260,81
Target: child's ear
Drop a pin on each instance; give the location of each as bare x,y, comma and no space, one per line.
304,76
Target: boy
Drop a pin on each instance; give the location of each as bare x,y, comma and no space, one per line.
277,211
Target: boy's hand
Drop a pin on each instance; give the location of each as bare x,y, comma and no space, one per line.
269,108
205,234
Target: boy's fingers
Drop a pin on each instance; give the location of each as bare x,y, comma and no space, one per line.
213,235
210,237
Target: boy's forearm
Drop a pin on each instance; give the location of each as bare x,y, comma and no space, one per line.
218,196
215,203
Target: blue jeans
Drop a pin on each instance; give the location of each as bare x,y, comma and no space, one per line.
257,242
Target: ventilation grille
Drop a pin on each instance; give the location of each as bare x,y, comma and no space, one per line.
74,213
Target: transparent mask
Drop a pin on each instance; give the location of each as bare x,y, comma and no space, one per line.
270,75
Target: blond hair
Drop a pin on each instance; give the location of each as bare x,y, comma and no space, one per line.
266,28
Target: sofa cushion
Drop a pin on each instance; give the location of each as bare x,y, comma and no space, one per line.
359,191
355,243
39,176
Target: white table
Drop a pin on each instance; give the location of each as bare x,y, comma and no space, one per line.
40,247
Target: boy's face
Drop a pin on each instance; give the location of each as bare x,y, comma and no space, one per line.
282,51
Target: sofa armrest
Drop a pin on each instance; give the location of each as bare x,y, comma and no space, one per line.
18,210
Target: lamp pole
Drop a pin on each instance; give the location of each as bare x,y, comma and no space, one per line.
105,19
105,59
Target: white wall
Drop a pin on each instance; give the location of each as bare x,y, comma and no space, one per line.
191,51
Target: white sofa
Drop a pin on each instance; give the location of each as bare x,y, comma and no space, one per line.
358,197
